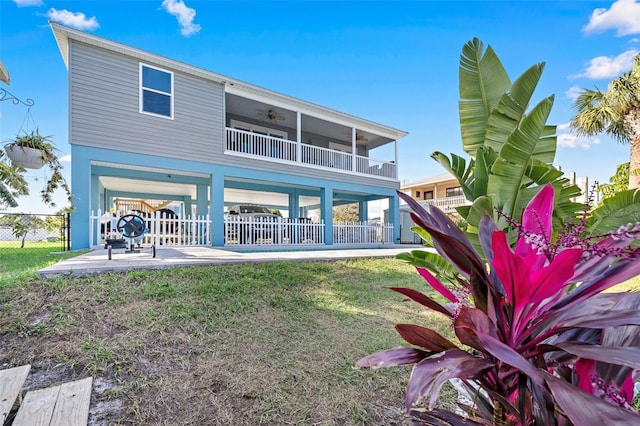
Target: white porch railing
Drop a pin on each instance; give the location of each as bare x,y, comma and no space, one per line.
362,233
260,145
272,148
268,231
162,230
447,204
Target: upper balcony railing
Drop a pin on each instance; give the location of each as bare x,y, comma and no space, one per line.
447,204
272,148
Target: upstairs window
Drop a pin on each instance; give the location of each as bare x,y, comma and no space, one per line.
454,192
156,91
417,194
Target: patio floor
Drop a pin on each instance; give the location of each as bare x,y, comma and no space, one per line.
97,261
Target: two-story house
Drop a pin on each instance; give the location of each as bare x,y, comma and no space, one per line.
146,127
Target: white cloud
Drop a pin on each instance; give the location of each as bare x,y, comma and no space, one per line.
567,139
624,17
26,3
65,158
76,20
184,15
608,67
573,92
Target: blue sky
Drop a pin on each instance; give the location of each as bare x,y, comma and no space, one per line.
391,62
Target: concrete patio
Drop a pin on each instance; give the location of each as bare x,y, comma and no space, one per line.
98,262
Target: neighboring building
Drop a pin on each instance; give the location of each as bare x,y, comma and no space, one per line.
442,191
146,127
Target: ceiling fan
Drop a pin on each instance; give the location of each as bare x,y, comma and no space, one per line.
360,138
271,115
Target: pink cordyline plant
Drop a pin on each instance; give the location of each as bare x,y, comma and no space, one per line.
547,346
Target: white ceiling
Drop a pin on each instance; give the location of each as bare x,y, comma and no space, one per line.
251,108
231,196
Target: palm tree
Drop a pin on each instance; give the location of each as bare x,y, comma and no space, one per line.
615,112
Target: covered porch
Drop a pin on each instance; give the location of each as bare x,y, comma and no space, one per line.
188,209
316,138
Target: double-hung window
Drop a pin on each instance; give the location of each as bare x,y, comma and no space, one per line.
156,91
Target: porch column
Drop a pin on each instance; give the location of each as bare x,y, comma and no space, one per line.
95,205
186,206
294,206
202,200
299,137
395,146
353,149
394,217
216,209
363,211
81,186
326,212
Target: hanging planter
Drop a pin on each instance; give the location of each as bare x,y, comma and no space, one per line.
23,156
31,150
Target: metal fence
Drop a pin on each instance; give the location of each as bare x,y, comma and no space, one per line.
26,230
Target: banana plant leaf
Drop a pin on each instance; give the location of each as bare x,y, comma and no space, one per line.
482,82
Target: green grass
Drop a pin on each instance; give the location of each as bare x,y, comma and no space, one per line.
22,263
270,343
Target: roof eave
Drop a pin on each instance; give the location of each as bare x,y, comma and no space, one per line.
63,34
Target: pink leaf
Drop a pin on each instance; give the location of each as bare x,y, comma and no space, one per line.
536,217
437,285
511,270
548,281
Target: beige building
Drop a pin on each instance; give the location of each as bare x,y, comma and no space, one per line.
442,191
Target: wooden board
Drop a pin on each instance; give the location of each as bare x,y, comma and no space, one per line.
64,405
72,407
11,381
37,407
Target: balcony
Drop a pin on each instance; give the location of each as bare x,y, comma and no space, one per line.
447,204
269,148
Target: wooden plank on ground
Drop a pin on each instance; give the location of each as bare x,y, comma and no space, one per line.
37,407
11,381
72,407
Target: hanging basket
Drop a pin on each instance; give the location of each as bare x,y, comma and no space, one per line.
29,158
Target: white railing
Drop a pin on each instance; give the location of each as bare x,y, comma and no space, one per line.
325,157
370,166
160,229
272,231
269,147
260,145
447,204
362,233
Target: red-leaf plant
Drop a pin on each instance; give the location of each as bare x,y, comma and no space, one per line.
548,347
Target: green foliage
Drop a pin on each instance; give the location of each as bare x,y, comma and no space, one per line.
618,182
12,182
511,147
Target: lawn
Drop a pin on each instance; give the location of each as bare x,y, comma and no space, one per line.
246,344
271,343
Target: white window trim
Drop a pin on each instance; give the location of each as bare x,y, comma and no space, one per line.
142,89
254,127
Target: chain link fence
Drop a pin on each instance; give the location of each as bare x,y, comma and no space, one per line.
22,231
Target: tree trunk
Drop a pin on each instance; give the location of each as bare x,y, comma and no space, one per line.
632,127
634,163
